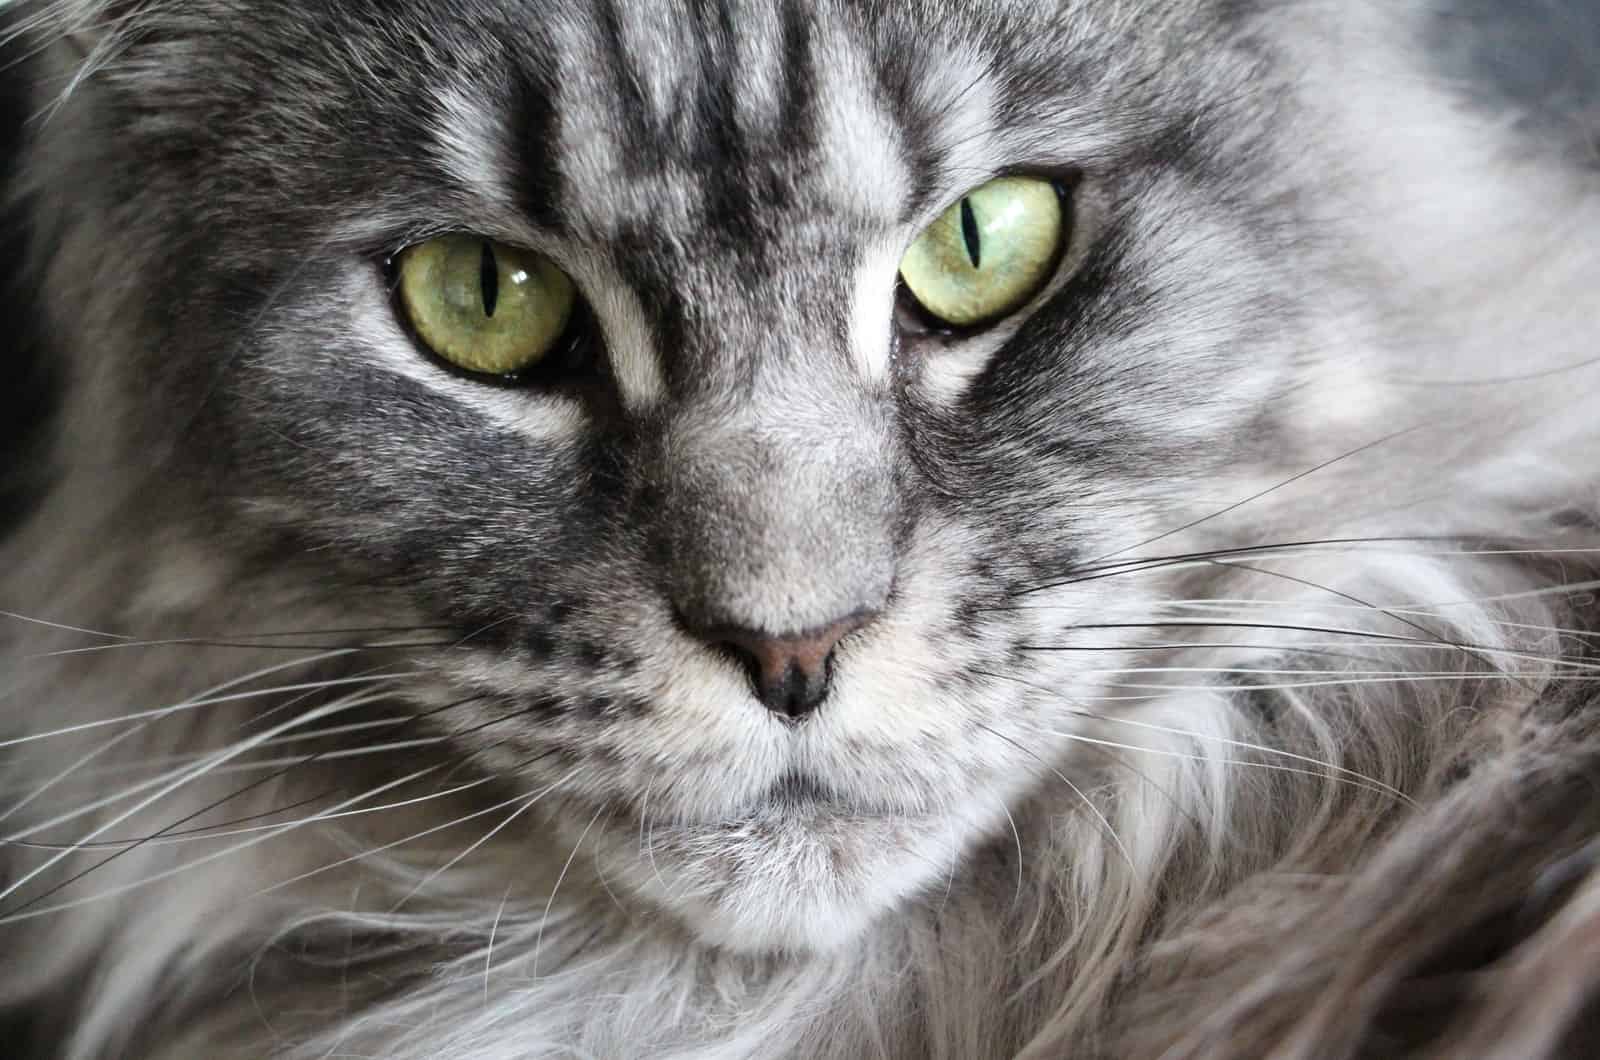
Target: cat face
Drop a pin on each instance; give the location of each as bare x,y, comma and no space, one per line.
782,589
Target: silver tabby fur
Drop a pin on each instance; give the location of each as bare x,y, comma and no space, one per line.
1228,697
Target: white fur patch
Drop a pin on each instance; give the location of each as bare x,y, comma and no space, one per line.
872,310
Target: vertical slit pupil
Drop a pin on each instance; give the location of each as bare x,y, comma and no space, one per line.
489,279
969,233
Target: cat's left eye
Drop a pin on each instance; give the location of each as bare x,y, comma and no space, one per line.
989,254
483,306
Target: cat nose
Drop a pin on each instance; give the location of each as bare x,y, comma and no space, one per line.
789,673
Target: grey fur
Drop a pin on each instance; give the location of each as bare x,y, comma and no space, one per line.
1532,60
1226,681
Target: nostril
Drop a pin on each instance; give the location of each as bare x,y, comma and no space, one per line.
791,690
789,674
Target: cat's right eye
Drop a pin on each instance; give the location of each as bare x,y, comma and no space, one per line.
989,253
482,306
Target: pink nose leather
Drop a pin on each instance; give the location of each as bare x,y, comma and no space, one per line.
790,673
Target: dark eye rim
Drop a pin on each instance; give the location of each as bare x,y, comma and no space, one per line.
574,358
916,319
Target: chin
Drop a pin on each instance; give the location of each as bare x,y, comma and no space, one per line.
785,881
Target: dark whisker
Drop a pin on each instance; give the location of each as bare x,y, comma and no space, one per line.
1095,571
1417,626
1335,631
201,832
1291,480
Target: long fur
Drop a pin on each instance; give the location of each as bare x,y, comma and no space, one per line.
1245,679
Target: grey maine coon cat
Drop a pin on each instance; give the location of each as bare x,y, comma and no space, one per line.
799,528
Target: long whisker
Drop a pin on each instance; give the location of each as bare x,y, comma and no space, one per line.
258,718
39,790
166,838
1385,638
488,950
252,640
1243,745
289,765
490,834
327,815
1223,605
188,776
1310,649
386,846
1094,571
1291,480
198,642
1101,817
1148,691
204,701
1367,784
33,913
538,941
1288,550
1340,594
16,616
146,785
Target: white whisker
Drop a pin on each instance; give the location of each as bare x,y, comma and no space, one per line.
188,776
530,802
61,626
73,768
1105,823
236,750
1367,785
188,866
544,919
205,700
488,950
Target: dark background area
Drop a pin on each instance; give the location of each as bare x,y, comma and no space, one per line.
29,380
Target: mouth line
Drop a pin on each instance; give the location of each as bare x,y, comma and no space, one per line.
795,799
799,798
800,791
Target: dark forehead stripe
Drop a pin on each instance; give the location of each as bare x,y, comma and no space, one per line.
634,123
738,141
536,131
750,170
719,149
740,160
797,117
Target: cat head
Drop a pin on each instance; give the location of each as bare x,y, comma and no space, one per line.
650,349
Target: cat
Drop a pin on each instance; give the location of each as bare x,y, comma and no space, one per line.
799,528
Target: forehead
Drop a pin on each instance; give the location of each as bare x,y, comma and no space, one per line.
721,118
781,126
602,115
743,117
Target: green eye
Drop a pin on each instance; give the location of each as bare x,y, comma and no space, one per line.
484,306
989,253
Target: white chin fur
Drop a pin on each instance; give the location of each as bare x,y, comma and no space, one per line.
796,883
